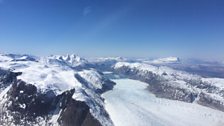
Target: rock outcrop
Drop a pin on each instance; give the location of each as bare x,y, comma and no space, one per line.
23,104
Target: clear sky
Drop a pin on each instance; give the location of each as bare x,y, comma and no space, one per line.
136,28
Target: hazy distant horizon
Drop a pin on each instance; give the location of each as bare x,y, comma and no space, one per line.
90,57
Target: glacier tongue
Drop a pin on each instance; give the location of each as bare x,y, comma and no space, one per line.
130,104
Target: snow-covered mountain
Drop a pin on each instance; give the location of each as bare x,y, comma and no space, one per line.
69,90
106,63
42,91
69,60
178,85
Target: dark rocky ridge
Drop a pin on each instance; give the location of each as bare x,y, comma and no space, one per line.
206,100
7,77
77,113
26,106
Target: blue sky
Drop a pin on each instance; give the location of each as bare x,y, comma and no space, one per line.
133,28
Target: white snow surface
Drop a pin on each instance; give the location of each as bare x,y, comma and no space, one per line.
46,75
171,74
4,58
177,78
218,82
56,73
87,93
92,76
130,104
43,76
156,70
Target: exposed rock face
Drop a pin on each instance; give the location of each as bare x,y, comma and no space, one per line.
166,91
26,100
207,100
25,105
7,77
77,114
188,90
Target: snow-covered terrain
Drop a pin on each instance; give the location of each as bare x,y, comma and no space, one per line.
178,85
130,104
44,75
170,74
57,74
53,72
57,89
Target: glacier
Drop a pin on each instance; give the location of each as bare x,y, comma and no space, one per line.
129,103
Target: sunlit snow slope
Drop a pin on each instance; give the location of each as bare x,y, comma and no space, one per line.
130,104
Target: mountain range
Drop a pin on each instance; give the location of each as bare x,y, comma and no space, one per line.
68,90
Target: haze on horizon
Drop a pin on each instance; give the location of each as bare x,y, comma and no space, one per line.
131,28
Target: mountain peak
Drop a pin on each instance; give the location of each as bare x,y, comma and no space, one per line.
69,59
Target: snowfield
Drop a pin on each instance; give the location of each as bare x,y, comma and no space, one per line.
48,73
130,104
57,73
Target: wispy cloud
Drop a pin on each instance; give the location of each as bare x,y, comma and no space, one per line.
108,21
87,10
